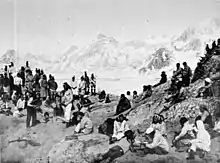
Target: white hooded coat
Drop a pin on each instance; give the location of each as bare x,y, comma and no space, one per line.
203,139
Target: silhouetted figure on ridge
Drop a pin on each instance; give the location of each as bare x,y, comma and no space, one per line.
198,73
162,80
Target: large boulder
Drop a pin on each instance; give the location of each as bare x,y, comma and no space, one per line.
81,150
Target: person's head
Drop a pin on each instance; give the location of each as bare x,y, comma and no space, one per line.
66,86
92,76
145,88
134,92
27,63
50,76
163,73
22,68
178,65
183,120
150,132
79,116
122,96
128,93
121,118
73,78
18,75
44,77
184,64
130,136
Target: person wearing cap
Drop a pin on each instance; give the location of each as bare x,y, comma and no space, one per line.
162,80
84,126
67,103
159,144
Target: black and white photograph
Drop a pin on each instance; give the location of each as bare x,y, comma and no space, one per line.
109,81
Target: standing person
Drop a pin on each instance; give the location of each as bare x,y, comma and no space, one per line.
53,88
67,103
86,83
31,110
6,85
74,85
18,83
22,73
36,86
43,87
82,87
49,86
1,84
29,80
27,67
11,81
187,73
93,84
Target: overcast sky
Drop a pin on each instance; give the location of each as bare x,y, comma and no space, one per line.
51,26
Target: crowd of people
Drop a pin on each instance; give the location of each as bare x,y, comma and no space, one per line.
28,91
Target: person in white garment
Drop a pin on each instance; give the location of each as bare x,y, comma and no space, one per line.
84,126
159,144
202,142
120,127
74,85
186,134
67,103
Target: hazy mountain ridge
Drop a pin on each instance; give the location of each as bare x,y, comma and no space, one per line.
108,54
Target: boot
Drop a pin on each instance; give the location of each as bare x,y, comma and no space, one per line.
191,155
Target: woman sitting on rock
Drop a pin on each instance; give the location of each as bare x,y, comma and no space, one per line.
186,134
159,124
120,127
202,142
84,126
123,105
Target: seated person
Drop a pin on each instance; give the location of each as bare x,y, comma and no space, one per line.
206,117
159,144
17,113
118,149
102,96
205,91
162,80
107,127
159,124
20,103
107,99
124,104
84,126
198,73
217,123
147,92
120,126
135,95
186,134
202,142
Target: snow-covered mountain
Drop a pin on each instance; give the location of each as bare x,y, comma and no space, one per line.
106,54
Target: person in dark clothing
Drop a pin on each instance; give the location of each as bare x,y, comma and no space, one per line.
214,46
36,86
107,127
186,74
107,99
37,75
31,110
6,84
102,96
208,50
162,80
87,83
22,74
178,71
198,73
124,104
53,87
11,80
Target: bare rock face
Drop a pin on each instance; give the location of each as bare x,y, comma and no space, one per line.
81,150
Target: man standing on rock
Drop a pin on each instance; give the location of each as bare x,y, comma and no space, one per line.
186,74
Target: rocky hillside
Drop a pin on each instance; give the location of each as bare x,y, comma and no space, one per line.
46,138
